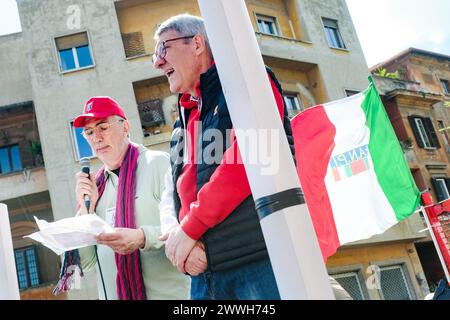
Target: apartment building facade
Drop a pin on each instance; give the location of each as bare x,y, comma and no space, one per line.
69,50
417,101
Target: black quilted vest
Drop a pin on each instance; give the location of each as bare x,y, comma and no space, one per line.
238,239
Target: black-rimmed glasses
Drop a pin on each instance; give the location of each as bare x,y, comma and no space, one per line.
161,50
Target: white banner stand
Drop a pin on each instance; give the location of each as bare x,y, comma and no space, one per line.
289,234
9,288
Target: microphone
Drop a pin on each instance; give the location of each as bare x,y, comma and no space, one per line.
85,164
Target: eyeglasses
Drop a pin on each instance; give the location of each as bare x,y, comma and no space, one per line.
161,50
101,127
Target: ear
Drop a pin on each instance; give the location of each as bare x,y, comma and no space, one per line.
126,127
199,44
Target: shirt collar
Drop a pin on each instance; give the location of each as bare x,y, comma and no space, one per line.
188,101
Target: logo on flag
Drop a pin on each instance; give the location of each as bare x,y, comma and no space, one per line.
350,163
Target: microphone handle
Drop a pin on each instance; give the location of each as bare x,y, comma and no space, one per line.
87,202
87,199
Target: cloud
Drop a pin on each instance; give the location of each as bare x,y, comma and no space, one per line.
386,27
437,38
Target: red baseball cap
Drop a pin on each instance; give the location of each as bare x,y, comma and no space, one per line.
99,107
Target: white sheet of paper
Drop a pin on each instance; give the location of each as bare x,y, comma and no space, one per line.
70,233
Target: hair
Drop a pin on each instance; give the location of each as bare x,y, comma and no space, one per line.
119,118
184,24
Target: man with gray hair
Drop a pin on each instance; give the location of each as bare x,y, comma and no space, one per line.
219,235
212,201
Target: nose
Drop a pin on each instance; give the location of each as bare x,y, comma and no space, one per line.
97,136
158,62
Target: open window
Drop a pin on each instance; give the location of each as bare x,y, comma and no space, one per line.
424,132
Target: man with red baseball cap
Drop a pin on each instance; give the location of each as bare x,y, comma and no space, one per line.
126,193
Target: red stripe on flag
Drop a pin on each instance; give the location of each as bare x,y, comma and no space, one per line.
313,148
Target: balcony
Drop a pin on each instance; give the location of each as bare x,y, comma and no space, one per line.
288,49
391,88
21,161
138,20
386,85
21,183
157,109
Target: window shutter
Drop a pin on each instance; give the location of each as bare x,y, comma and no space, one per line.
133,43
437,188
416,131
447,183
330,23
72,41
431,133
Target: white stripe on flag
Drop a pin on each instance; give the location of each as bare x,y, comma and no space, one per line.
354,218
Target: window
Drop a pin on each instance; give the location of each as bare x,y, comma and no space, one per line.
82,147
74,52
151,113
332,33
441,187
292,104
424,132
134,44
351,282
445,86
267,25
394,285
27,268
349,93
10,159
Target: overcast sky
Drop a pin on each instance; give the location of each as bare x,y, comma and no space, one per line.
384,27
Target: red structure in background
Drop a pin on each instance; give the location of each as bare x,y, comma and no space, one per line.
439,220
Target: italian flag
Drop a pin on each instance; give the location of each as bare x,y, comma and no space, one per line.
352,170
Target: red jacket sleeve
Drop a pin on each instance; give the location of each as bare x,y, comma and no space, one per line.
226,189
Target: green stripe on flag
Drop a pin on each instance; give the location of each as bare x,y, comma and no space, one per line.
348,171
366,161
390,166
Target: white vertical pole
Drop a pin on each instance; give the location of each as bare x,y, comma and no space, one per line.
9,288
289,234
436,244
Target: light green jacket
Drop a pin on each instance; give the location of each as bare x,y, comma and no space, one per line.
162,280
